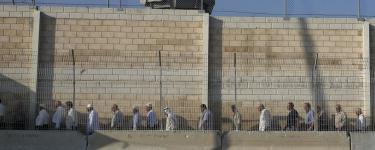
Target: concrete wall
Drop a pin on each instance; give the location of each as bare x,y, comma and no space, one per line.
117,61
41,140
276,65
114,140
15,65
286,140
155,140
362,140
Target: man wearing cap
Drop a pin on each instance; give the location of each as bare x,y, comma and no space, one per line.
92,121
136,118
59,115
170,123
117,118
71,120
151,117
41,121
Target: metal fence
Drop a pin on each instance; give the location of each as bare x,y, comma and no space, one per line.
284,8
245,92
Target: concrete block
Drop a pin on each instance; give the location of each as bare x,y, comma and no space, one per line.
286,140
362,140
41,140
154,140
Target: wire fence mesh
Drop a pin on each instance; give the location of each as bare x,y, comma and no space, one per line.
262,93
288,8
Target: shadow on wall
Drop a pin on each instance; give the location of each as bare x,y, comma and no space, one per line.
372,75
15,96
215,71
313,71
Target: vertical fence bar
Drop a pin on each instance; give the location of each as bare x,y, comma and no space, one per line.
317,96
202,4
74,79
107,3
235,79
285,9
358,9
160,92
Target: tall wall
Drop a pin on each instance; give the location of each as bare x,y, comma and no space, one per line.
15,64
320,61
276,65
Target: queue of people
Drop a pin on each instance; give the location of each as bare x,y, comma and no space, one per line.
69,117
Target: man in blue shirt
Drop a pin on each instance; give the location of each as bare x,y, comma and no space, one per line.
152,121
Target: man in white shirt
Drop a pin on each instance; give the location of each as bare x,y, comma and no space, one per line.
2,114
361,123
117,121
264,118
92,121
71,120
171,122
309,118
205,122
136,118
151,121
58,116
42,120
236,118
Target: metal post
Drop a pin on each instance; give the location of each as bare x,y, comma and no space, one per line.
359,17
286,10
33,2
235,80
74,79
316,97
107,3
161,92
13,2
202,4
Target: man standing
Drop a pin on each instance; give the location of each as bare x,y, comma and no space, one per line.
151,121
292,118
340,118
117,118
2,114
41,121
322,119
309,118
205,122
59,115
264,118
361,123
171,122
136,118
71,120
92,121
236,118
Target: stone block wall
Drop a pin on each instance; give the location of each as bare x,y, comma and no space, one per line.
15,64
279,61
317,60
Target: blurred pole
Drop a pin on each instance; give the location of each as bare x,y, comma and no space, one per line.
33,1
107,3
74,80
13,2
317,94
285,9
160,92
235,79
120,3
201,4
358,9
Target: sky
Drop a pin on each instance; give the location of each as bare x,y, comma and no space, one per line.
304,8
